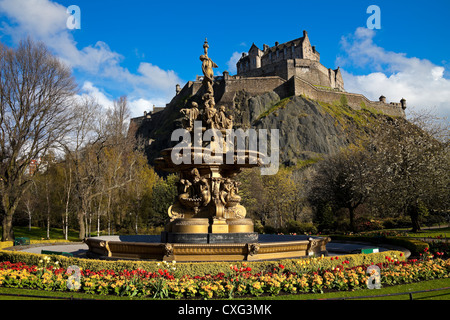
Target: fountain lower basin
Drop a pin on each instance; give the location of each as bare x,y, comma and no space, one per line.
267,247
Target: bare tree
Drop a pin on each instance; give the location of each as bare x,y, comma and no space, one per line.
35,99
412,166
78,146
344,180
98,151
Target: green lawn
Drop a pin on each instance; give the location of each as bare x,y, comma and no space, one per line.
28,294
419,286
36,233
433,233
436,232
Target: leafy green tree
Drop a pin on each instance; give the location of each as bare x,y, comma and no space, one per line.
163,196
138,193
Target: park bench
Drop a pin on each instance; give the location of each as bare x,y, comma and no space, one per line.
21,241
369,250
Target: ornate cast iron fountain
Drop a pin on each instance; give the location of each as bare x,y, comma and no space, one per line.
207,221
207,209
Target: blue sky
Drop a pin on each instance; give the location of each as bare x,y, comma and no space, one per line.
143,48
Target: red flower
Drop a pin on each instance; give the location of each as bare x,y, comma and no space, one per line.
281,266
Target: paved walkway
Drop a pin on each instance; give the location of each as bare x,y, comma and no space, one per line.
78,249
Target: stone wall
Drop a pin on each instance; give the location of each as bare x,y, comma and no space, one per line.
254,85
225,91
309,70
355,100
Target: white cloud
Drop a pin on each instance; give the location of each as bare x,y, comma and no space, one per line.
39,17
395,75
46,21
158,78
137,105
101,98
231,64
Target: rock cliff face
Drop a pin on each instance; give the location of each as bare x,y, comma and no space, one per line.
307,128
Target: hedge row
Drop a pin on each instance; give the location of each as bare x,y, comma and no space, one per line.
203,268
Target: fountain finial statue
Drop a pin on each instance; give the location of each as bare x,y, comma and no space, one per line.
207,68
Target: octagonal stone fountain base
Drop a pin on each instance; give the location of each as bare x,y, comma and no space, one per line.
267,247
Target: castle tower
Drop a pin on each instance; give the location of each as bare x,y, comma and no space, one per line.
250,61
403,103
292,58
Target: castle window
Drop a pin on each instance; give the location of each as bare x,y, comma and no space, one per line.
270,56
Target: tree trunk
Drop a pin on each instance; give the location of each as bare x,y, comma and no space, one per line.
99,213
351,211
66,218
82,232
48,208
413,212
7,231
29,211
108,212
9,207
66,223
136,225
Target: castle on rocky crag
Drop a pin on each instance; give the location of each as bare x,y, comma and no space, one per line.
297,63
289,69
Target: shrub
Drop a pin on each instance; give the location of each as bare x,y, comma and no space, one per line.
301,227
369,225
324,217
442,247
343,100
399,222
269,229
258,227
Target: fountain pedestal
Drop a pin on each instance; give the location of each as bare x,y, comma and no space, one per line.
198,230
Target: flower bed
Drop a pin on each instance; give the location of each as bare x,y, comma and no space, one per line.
239,280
